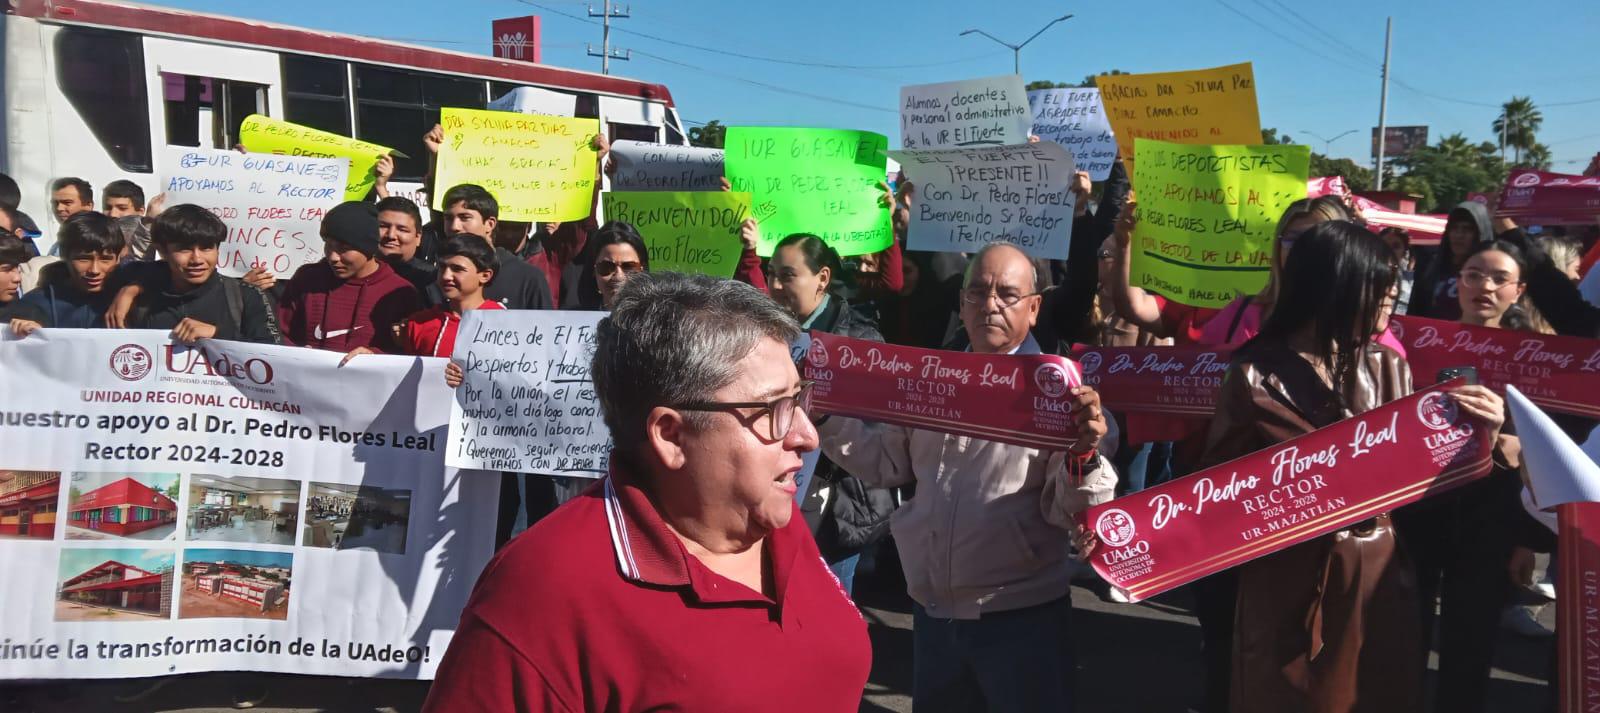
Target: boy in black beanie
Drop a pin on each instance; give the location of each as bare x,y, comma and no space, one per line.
352,299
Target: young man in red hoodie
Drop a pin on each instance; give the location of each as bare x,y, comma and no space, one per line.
353,298
466,266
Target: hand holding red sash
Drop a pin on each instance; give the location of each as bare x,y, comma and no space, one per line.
1557,373
1221,517
1023,400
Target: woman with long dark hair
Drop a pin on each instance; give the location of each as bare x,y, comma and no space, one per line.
1462,541
1329,625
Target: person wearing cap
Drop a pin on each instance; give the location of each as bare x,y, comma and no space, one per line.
352,299
190,297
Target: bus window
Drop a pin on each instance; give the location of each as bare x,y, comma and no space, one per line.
206,111
316,93
632,132
102,75
395,107
587,105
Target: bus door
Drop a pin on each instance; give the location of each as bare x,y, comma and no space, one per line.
201,93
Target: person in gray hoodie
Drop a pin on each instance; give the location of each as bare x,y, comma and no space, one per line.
1434,293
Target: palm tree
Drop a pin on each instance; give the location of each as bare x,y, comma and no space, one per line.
1457,148
1537,157
1518,122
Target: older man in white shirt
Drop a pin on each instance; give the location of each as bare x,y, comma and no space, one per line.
986,540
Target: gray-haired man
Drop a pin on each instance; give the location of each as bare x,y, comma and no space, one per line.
687,579
985,542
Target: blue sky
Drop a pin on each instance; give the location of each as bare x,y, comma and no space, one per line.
1450,56
245,557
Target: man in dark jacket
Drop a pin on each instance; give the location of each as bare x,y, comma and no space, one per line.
1065,311
74,292
13,254
400,243
1433,295
471,210
191,299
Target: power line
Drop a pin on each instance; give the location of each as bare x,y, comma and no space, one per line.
759,58
764,85
1278,33
1359,54
1356,54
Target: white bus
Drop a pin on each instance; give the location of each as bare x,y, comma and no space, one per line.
93,89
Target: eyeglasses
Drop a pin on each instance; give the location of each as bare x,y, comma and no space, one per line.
982,295
1495,281
783,409
604,268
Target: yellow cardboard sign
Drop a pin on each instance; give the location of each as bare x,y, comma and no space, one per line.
1202,106
1207,217
264,134
539,168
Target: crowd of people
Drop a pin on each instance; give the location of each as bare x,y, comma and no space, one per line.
688,556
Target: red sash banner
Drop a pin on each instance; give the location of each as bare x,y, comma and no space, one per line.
1226,515
1557,373
1178,381
1016,399
1578,606
1536,197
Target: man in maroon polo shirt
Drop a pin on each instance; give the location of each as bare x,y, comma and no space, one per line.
685,579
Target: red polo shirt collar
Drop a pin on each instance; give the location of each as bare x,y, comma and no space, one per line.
649,553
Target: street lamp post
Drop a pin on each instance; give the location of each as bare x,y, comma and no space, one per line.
1016,50
1327,144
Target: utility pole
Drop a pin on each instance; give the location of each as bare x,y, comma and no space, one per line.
606,54
1383,101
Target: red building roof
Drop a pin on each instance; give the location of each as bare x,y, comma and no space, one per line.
183,23
109,567
126,491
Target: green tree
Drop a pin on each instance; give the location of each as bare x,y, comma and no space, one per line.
1457,147
712,135
1088,81
1356,176
1519,121
1271,137
1045,84
172,490
1537,157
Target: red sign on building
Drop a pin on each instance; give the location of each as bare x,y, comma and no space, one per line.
517,38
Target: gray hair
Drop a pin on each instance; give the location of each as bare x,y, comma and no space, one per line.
672,338
1033,278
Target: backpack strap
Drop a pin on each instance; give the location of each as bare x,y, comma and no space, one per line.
1237,316
233,290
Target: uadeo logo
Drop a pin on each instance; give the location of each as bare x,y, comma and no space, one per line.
131,362
817,355
1115,527
1437,411
1525,180
1090,363
1051,379
194,362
